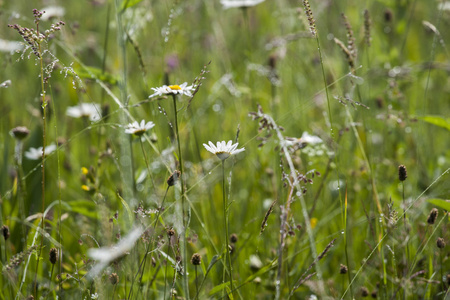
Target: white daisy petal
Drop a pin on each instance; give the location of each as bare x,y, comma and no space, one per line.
139,129
87,110
223,150
36,153
182,89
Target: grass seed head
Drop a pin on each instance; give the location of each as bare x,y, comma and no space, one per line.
196,259
343,269
364,292
402,174
114,278
173,178
20,132
53,255
5,232
433,216
440,243
233,238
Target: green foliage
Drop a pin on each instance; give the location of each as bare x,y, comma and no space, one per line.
327,157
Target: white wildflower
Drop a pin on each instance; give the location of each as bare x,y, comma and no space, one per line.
52,12
36,153
182,89
239,3
85,110
223,150
139,129
311,139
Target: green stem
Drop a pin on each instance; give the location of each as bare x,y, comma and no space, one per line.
44,109
146,162
180,159
225,222
196,281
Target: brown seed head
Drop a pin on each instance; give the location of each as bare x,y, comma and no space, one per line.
233,238
402,175
114,278
173,178
20,132
433,216
53,255
343,269
364,291
196,259
440,243
388,15
5,231
170,232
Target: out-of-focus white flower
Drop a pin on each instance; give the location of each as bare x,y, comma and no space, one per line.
52,12
10,46
105,255
223,150
182,89
311,139
36,153
94,296
239,3
5,84
139,129
86,110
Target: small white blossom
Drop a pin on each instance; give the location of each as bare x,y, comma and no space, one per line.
223,150
239,3
5,84
310,139
182,89
139,129
94,296
86,110
52,12
36,153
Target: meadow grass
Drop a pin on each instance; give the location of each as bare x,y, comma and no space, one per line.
342,190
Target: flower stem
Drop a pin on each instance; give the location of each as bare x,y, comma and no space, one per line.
44,109
180,159
225,221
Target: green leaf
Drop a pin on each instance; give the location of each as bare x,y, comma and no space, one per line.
220,287
440,203
84,207
437,120
95,73
261,271
125,204
213,261
129,3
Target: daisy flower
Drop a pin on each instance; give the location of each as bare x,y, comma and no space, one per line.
223,150
139,129
36,153
239,3
311,139
182,89
86,110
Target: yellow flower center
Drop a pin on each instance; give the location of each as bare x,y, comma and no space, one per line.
174,87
